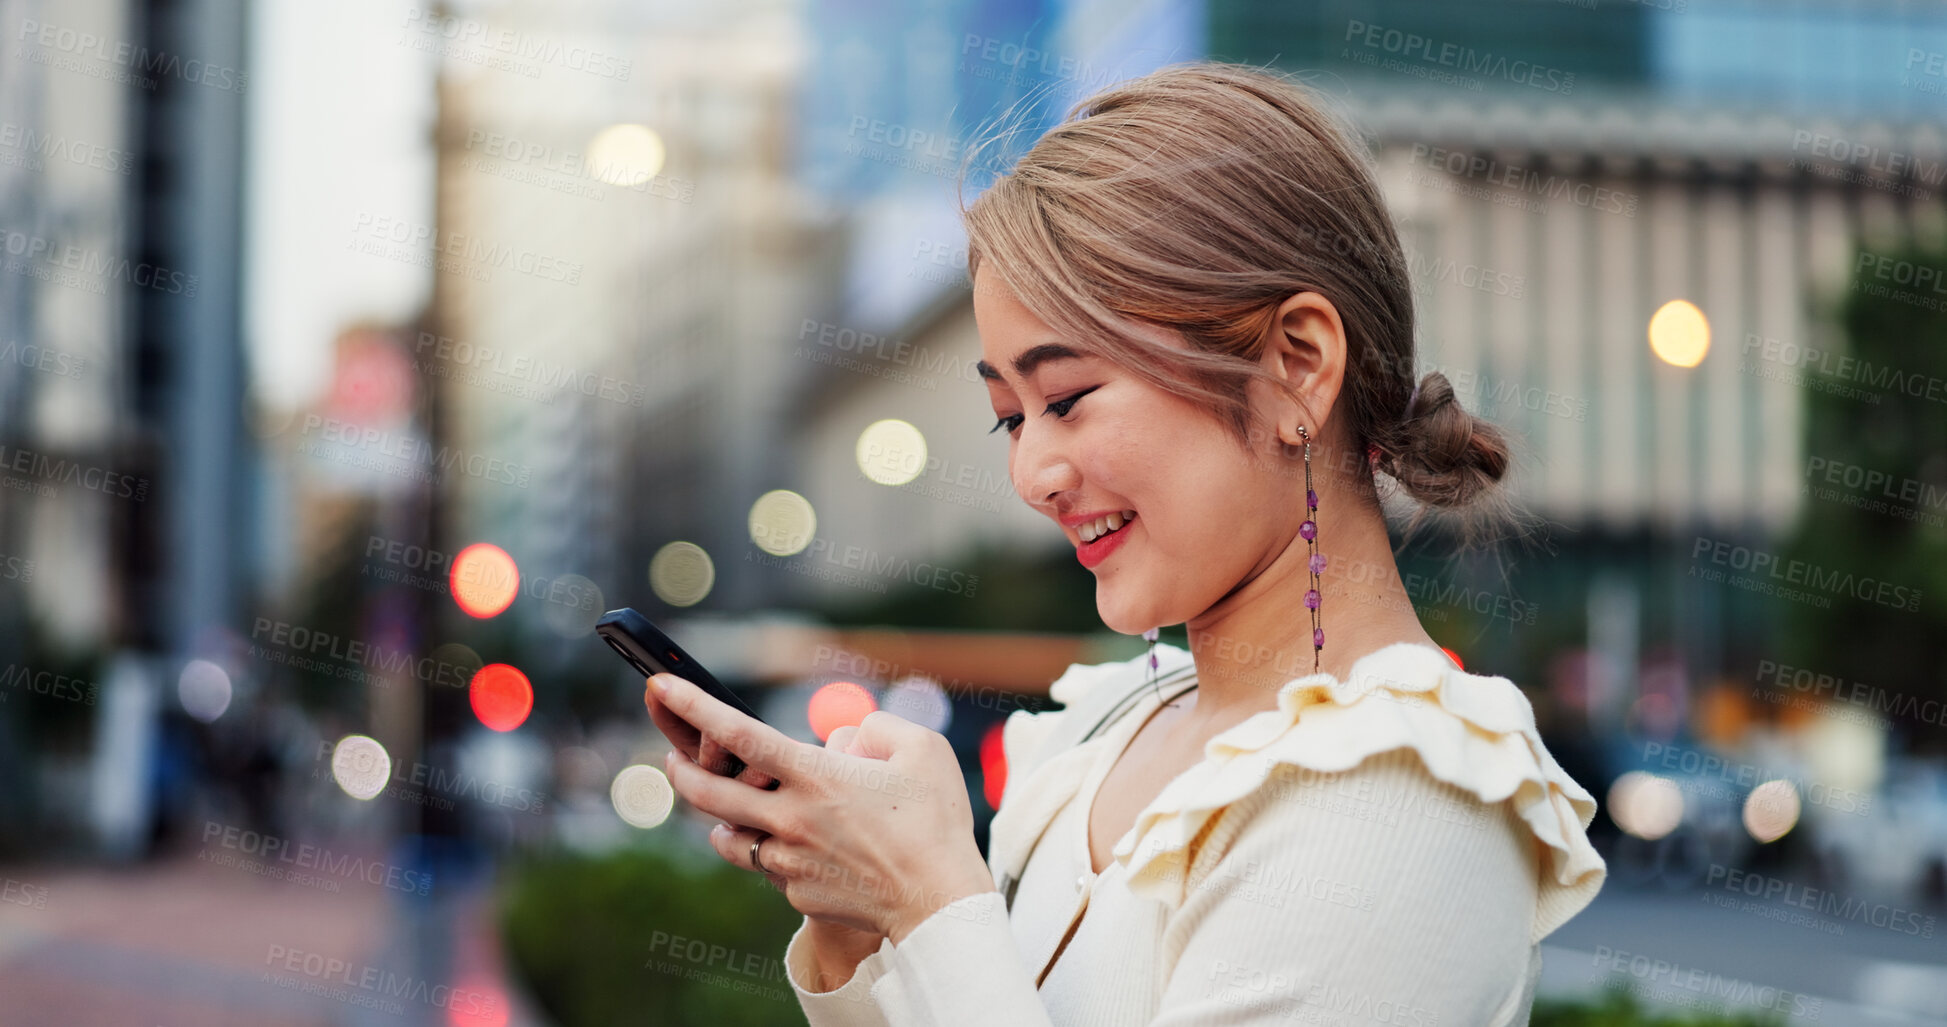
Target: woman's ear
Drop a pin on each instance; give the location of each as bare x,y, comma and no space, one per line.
1304,345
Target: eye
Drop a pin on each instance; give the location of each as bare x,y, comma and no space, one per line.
1060,408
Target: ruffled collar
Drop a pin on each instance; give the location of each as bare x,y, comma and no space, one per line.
1471,731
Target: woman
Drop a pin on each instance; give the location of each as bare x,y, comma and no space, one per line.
1197,333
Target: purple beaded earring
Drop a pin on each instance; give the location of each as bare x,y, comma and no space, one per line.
1309,531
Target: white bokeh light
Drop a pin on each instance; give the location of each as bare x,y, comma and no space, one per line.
682,573
642,796
204,689
626,155
1645,805
1771,810
920,700
782,522
891,451
361,766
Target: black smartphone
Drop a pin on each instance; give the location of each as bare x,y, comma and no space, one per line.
650,651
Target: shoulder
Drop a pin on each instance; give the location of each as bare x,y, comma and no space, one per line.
1043,759
1408,742
1377,886
1086,691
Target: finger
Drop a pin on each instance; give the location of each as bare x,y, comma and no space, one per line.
716,759
713,757
733,844
752,776
755,742
840,740
728,799
680,732
704,750
881,734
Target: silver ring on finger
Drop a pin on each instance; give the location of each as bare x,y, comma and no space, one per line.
755,863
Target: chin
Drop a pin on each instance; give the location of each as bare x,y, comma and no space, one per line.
1120,621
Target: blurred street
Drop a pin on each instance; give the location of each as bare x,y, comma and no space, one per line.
1876,977
192,944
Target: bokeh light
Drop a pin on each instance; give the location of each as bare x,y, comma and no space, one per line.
891,451
837,704
484,580
1645,805
993,765
682,574
641,796
1680,334
626,155
1771,810
920,700
1454,656
204,690
782,522
374,379
361,766
571,604
478,1001
501,696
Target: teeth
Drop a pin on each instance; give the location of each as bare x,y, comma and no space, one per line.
1103,525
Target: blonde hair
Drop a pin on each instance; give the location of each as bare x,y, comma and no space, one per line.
1197,198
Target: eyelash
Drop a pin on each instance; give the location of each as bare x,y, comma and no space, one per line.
1065,406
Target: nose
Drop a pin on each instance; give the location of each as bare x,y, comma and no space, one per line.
1041,469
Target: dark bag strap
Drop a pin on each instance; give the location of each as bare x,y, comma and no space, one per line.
1171,685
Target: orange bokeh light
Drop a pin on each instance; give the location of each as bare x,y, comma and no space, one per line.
1454,656
484,580
837,704
501,695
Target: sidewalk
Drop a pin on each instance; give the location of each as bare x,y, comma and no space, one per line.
192,944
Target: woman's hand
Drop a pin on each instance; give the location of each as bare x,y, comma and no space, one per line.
836,950
699,747
875,838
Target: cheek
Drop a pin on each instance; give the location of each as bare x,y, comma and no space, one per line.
1185,472
1123,454
1183,443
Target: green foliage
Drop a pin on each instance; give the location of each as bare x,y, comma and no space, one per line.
1618,1008
590,938
1872,415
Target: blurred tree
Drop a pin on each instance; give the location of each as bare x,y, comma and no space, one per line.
1875,487
1617,1007
639,937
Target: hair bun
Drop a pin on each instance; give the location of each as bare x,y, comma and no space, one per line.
1444,455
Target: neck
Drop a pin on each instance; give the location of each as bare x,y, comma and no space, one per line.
1257,638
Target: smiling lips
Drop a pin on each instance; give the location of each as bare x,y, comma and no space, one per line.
1102,536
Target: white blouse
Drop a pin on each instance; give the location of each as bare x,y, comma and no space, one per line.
1389,850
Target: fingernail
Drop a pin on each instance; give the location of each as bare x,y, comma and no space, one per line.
656,682
720,829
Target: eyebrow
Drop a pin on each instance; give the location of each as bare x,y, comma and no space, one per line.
1033,357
